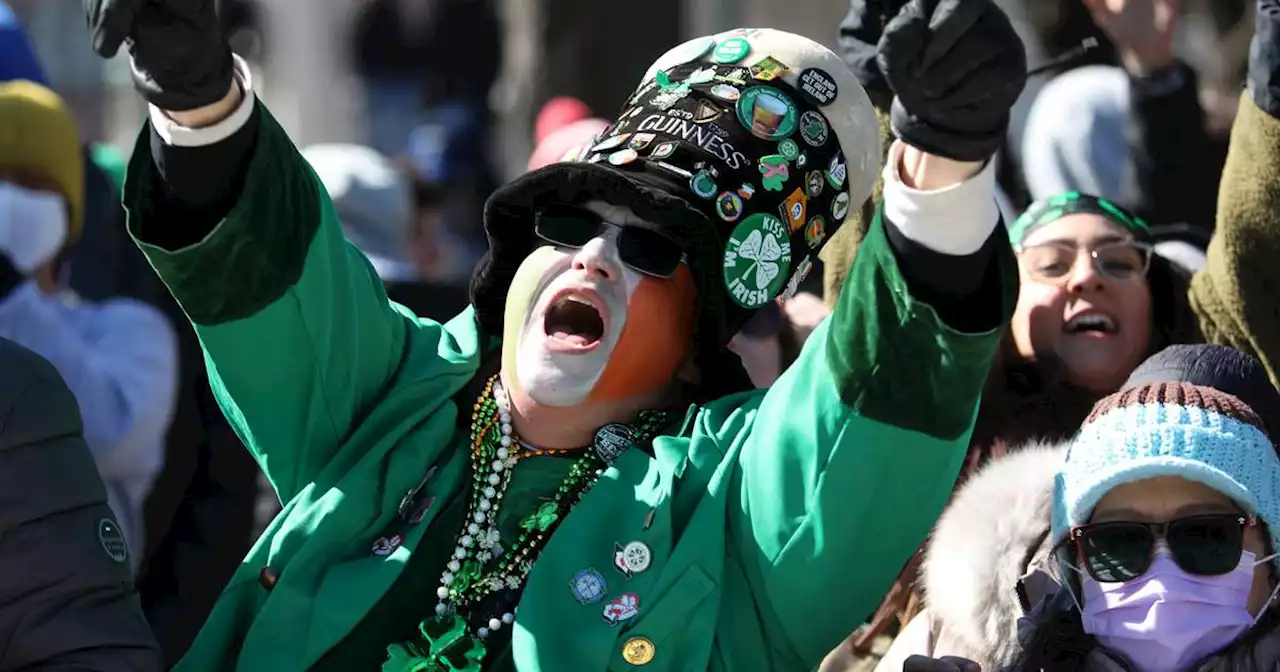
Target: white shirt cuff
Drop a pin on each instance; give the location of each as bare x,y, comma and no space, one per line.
180,136
955,220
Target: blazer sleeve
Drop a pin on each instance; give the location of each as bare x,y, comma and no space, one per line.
850,456
300,340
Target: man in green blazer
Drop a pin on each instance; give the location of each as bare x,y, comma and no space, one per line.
574,473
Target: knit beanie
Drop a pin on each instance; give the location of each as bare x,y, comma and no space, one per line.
1220,367
38,137
1169,429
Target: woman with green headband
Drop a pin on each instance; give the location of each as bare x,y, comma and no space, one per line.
1094,299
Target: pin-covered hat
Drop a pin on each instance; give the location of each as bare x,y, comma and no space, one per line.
749,147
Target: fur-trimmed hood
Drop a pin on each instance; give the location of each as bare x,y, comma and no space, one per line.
984,567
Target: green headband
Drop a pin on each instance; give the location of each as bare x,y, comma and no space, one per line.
1053,208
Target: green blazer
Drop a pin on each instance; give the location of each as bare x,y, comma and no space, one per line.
778,517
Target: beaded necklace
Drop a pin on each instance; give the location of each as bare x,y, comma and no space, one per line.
480,566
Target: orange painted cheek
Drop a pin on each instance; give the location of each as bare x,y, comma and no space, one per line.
655,340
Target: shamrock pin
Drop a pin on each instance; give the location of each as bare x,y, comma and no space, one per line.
542,518
775,172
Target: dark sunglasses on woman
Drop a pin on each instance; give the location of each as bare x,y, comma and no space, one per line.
642,249
1206,545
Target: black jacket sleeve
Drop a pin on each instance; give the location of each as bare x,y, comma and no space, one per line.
200,185
67,601
964,290
1175,177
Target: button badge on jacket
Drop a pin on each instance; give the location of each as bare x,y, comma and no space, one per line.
632,559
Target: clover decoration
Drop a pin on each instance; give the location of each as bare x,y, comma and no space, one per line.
447,649
541,519
764,253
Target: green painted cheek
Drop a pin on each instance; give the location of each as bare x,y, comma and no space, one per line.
521,297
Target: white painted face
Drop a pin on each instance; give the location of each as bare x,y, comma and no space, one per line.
570,309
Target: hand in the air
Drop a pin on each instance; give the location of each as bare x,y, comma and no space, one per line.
956,67
181,61
943,664
1142,30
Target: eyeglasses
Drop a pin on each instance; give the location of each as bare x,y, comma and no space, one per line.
642,249
1052,263
1207,545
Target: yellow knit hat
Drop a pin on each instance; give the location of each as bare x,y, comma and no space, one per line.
38,137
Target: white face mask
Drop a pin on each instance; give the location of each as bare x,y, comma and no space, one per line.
33,226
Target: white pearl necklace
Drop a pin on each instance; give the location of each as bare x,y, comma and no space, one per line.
483,544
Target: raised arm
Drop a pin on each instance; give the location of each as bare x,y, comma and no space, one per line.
852,454
299,337
1235,294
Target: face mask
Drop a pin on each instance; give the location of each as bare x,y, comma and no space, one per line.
33,226
1167,619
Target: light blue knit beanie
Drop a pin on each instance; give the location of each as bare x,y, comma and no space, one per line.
1169,429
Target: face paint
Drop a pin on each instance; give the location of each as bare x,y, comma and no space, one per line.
630,357
655,340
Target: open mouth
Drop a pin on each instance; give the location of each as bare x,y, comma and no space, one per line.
574,322
1091,323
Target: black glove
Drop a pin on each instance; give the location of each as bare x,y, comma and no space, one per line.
181,61
860,45
956,67
944,664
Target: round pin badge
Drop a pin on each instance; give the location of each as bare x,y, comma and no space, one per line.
683,53
789,149
612,441
814,129
837,171
767,112
840,206
818,86
703,184
756,260
637,556
623,157
726,92
731,50
814,183
112,540
588,586
815,232
729,206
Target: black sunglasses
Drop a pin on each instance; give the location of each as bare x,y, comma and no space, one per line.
645,250
1206,545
